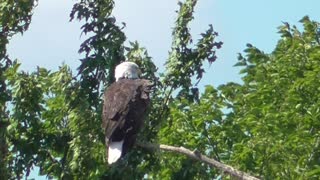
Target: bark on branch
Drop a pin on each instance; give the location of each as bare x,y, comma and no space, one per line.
198,156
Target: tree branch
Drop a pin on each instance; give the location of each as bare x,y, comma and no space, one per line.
198,156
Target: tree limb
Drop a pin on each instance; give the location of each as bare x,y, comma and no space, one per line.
198,156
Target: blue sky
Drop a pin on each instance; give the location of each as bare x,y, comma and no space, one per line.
52,39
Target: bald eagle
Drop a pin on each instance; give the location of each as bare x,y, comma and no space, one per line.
124,108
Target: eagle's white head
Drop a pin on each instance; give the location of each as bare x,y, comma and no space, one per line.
127,70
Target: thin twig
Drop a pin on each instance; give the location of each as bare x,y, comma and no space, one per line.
198,156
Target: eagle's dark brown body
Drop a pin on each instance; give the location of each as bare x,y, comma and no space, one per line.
125,105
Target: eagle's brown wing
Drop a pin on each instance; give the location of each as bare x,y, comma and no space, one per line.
124,100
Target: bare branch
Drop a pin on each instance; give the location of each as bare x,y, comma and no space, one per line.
198,156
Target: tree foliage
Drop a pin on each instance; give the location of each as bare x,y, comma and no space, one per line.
267,126
15,17
277,107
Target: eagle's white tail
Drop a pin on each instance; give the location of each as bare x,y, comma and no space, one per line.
114,151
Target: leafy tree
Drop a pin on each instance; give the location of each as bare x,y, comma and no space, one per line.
54,122
15,17
277,107
267,126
